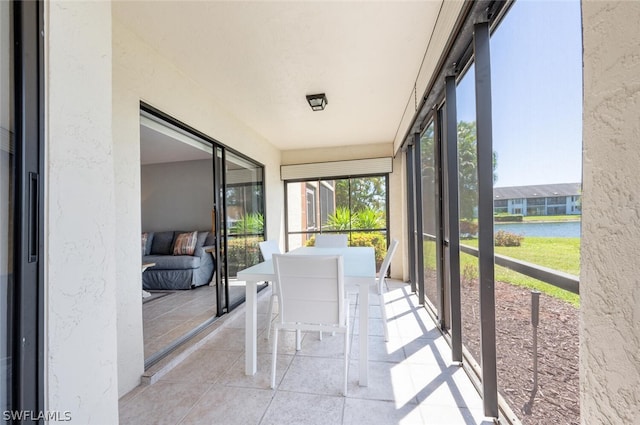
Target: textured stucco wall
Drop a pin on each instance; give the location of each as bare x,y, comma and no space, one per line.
610,279
80,289
142,73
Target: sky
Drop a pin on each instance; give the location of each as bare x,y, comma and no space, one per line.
536,85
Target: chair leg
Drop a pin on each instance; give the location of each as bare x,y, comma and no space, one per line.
347,349
273,359
346,361
269,316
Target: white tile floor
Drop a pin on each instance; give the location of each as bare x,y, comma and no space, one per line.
411,378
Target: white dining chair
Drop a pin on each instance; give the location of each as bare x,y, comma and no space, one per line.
267,249
312,298
384,269
331,241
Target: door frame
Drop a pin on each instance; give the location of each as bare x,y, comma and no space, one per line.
27,333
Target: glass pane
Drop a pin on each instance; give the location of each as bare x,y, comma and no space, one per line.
245,215
468,195
429,212
296,209
355,206
334,205
7,196
368,206
368,203
327,197
538,150
177,197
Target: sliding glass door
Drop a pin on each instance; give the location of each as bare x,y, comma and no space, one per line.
191,183
7,202
20,208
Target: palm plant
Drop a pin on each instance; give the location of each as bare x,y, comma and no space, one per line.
369,218
252,223
340,219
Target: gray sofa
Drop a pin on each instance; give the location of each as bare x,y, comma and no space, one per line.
176,271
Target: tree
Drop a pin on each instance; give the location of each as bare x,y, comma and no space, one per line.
467,167
361,193
428,179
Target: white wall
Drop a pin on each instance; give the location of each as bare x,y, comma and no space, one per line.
609,279
336,153
140,73
398,218
177,195
80,263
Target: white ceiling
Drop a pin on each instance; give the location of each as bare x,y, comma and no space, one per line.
158,147
259,60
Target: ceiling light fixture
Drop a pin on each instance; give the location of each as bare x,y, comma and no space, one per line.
317,101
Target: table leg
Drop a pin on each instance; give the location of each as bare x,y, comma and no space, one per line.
251,329
364,335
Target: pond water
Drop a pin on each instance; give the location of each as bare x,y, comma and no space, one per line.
566,229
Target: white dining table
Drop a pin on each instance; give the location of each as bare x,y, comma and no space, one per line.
359,274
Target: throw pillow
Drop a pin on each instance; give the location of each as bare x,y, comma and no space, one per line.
145,236
185,243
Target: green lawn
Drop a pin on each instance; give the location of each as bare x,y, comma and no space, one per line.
561,254
543,218
556,253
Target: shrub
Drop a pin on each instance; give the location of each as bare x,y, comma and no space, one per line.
242,253
507,218
503,238
469,273
375,239
468,228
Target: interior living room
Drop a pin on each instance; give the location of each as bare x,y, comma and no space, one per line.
184,294
177,193
417,86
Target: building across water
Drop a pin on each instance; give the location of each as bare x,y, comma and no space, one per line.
543,199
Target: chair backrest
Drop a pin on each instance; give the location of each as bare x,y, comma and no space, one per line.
331,241
384,267
311,288
268,248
